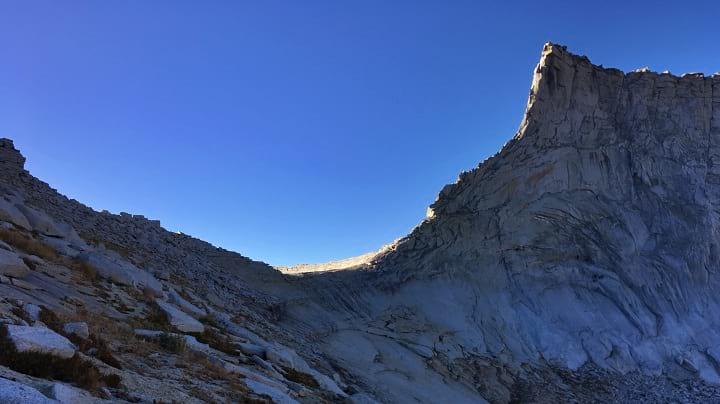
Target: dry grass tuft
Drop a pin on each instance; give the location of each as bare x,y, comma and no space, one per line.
203,367
21,314
155,319
300,377
216,340
51,320
120,249
73,370
28,244
100,346
172,343
211,321
106,329
88,271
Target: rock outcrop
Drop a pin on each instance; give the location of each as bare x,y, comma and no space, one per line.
39,340
12,265
179,319
590,239
17,393
593,235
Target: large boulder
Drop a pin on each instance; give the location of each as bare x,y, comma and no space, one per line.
286,357
40,221
32,311
17,393
121,272
191,342
65,247
186,306
12,265
179,319
67,394
11,214
79,329
277,395
39,340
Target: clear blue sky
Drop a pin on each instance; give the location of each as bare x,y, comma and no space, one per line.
297,131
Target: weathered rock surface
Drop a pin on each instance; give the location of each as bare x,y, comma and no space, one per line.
32,311
12,265
277,396
179,319
79,329
124,250
186,306
593,235
40,340
66,394
40,222
11,214
16,393
120,271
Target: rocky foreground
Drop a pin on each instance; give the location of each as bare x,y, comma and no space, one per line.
579,264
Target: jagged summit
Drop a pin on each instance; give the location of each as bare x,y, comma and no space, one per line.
10,157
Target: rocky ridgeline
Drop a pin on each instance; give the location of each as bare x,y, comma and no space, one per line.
165,254
98,307
579,264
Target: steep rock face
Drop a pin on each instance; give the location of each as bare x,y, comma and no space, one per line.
599,218
590,238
